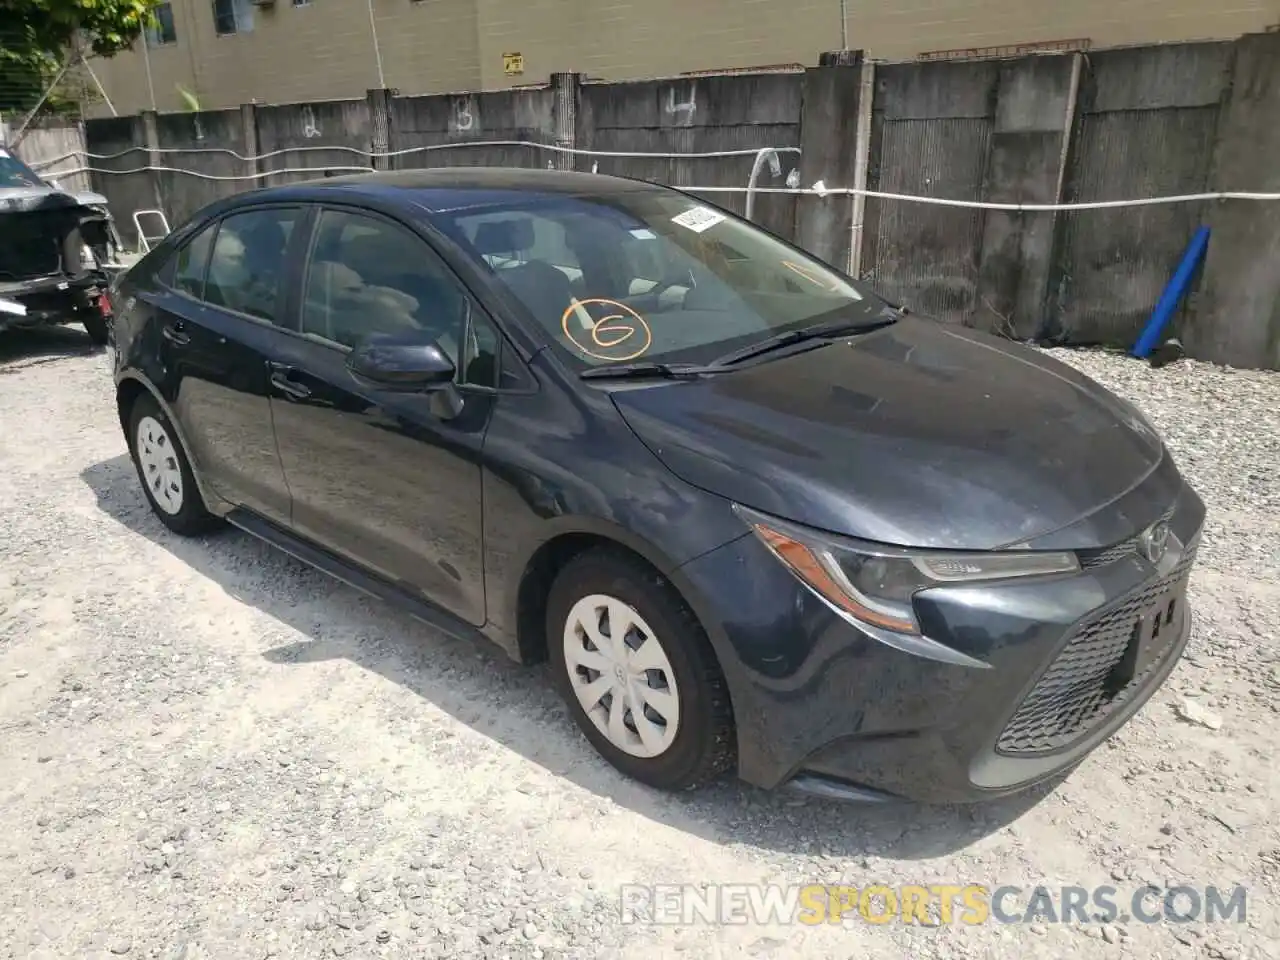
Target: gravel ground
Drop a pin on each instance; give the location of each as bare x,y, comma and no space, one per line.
208,750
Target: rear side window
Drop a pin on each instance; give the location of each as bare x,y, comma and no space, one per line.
369,277
192,261
246,269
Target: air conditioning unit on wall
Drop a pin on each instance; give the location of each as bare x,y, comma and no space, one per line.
263,3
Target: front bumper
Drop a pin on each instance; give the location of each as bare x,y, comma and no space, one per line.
824,707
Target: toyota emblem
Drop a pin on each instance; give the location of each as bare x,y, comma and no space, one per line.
1155,541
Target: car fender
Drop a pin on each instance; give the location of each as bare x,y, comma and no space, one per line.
211,500
567,525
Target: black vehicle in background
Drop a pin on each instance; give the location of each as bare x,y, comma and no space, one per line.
753,516
54,249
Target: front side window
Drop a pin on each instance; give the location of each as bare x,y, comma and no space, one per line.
650,275
246,268
232,16
368,276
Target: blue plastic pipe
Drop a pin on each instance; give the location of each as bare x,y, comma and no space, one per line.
1172,294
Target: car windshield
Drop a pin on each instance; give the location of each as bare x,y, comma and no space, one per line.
15,173
651,275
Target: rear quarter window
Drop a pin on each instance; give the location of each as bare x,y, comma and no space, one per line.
186,271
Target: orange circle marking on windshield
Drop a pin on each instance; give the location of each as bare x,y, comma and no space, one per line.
610,332
801,271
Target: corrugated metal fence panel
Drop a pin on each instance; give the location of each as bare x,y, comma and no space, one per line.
1113,264
927,256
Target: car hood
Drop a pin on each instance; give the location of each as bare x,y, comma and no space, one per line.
29,199
919,435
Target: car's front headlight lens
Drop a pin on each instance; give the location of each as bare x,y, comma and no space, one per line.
874,584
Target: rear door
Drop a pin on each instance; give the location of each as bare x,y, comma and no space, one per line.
391,481
217,337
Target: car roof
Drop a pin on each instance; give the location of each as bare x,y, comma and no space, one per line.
440,189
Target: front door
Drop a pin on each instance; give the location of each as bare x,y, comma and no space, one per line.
217,334
391,481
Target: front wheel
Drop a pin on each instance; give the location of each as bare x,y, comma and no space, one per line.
165,472
638,672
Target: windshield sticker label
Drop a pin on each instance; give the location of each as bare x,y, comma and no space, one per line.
698,219
643,234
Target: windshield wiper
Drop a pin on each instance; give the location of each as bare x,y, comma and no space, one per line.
818,331
668,371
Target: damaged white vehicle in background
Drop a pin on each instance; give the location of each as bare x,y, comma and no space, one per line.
58,251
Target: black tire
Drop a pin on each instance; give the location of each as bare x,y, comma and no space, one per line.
95,325
192,518
704,745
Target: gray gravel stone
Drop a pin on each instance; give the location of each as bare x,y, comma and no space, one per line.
312,783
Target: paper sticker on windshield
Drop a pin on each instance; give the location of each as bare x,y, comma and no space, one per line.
640,233
698,219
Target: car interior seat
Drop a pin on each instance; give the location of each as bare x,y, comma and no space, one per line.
541,287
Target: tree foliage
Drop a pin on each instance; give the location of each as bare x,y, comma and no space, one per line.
38,36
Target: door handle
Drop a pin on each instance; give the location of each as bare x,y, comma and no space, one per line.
290,388
173,332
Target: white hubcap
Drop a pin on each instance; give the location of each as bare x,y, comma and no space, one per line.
621,675
159,462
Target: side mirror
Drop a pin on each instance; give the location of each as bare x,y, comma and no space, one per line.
405,364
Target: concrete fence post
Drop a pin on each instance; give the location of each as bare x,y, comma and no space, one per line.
151,139
829,153
1236,320
382,136
249,124
564,115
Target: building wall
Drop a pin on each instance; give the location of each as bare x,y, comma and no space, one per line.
325,50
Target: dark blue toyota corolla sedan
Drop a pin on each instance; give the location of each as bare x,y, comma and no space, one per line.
753,515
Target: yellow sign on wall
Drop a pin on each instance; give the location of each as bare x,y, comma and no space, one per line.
513,64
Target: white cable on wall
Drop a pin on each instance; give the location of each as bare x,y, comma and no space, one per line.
426,148
784,191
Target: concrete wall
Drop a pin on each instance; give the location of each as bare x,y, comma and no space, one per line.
325,49
1124,124
931,136
54,150
1237,318
294,137
182,195
120,143
1145,129
696,115
511,115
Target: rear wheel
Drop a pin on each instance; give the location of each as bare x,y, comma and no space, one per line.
165,472
638,672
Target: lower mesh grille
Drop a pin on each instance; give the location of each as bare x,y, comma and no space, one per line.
1080,690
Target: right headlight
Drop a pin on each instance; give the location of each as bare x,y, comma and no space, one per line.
874,584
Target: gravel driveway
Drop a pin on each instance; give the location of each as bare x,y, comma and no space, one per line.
208,750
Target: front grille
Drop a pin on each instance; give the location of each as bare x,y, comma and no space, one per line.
1090,559
1079,689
